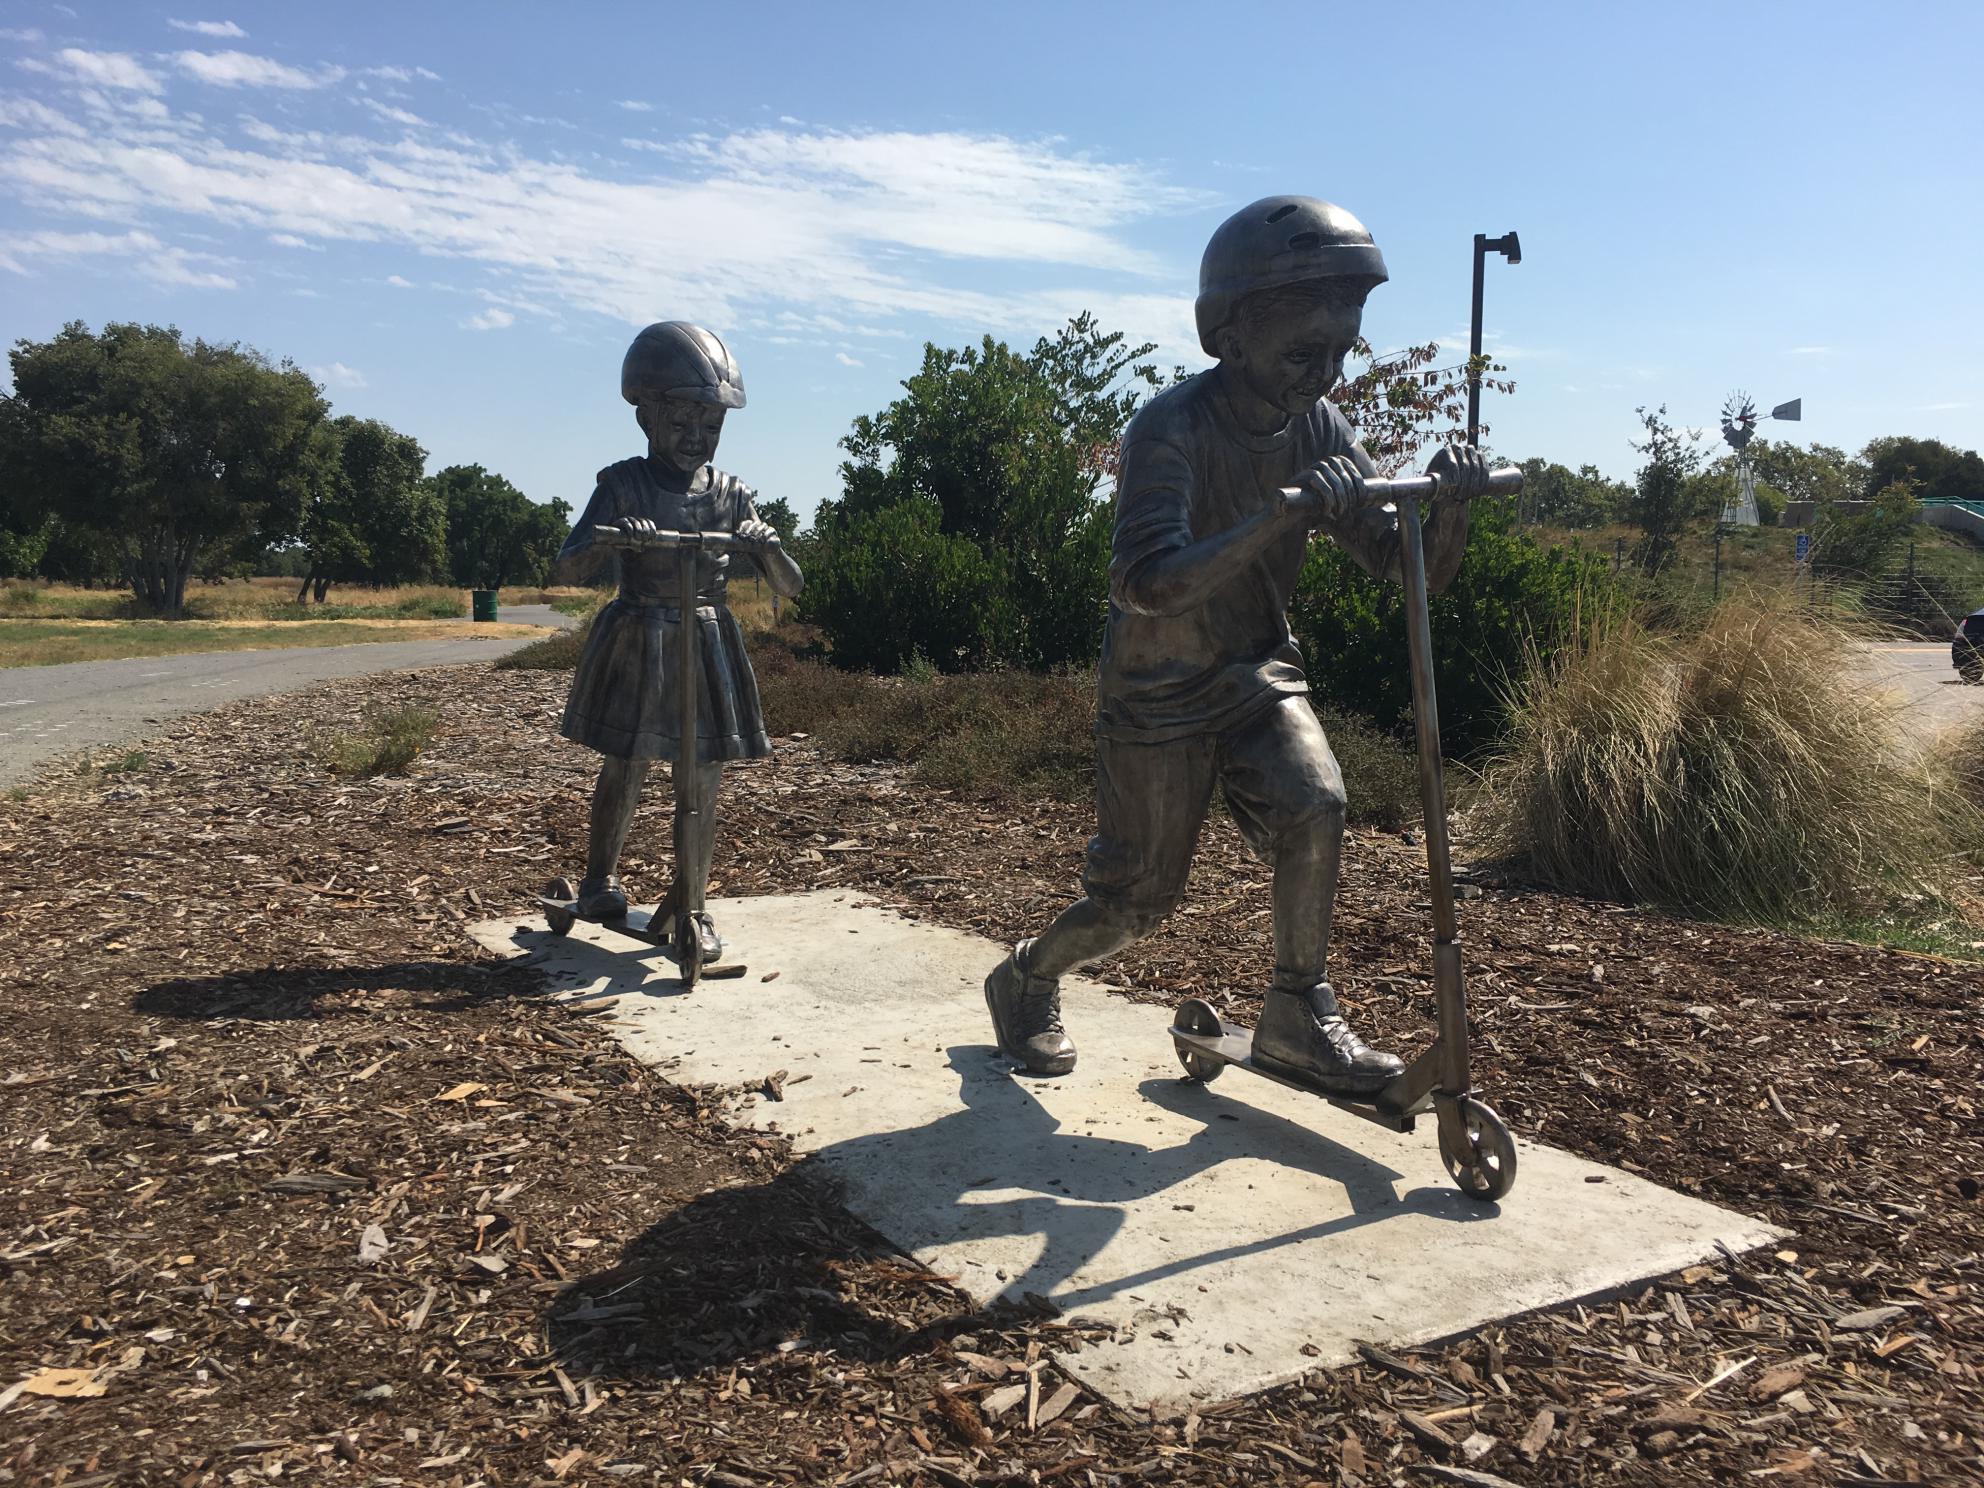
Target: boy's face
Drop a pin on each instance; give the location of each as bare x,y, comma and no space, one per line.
683,434
1292,360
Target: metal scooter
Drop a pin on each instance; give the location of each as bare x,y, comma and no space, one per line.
1474,1142
684,935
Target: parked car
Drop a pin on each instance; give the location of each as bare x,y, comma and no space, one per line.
1967,647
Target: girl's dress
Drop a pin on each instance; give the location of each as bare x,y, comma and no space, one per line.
624,691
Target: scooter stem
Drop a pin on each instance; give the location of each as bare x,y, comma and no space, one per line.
1449,993
687,783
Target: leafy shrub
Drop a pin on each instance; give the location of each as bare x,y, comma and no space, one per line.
972,527
1512,597
890,584
388,744
1738,772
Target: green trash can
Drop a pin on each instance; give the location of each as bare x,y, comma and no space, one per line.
484,601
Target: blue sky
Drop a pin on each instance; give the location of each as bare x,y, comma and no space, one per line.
457,215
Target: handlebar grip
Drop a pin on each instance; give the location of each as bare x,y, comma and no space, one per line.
610,536
1379,492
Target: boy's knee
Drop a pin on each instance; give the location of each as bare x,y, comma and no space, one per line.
1132,915
1142,917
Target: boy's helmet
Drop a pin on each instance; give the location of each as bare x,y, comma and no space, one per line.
1279,240
673,359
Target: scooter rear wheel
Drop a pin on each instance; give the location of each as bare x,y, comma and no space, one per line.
1478,1151
1196,1015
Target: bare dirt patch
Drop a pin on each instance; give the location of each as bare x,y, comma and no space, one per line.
294,1181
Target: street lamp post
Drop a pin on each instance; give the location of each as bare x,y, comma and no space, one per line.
1510,247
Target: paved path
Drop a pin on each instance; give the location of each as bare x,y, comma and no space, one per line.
51,711
1919,672
1233,1236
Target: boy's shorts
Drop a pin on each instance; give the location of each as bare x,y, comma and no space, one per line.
1276,770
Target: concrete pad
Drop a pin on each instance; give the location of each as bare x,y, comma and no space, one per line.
1235,1235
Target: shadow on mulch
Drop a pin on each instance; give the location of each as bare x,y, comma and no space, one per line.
274,994
781,1267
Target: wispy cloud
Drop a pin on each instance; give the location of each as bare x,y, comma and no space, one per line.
1942,407
394,115
492,319
157,261
847,361
104,69
338,375
24,34
246,70
635,106
398,283
1809,351
291,240
209,28
863,229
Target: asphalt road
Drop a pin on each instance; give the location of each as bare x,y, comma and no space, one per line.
1919,673
49,712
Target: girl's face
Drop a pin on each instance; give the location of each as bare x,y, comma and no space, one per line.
684,435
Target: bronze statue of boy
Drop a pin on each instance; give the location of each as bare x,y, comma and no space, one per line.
681,380
1200,680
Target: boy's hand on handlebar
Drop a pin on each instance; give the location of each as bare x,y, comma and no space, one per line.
1332,493
762,534
628,532
1461,472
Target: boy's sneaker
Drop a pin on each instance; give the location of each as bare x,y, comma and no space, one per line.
1026,1016
1303,1033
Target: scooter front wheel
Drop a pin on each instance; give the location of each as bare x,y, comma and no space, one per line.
688,947
1477,1149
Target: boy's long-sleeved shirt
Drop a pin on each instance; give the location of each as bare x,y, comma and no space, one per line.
1187,472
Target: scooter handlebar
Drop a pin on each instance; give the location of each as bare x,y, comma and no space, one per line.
607,535
1380,492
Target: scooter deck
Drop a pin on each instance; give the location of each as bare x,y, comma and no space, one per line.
636,924
1235,1046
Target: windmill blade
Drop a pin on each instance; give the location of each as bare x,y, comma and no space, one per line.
1790,412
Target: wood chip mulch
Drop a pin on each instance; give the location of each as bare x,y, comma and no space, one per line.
296,1183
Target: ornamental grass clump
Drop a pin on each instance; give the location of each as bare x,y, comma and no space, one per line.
391,740
1743,770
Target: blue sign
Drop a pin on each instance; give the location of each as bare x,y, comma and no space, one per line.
1804,546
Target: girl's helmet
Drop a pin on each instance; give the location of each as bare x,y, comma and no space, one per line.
673,359
1279,240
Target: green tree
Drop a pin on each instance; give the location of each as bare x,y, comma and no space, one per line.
25,529
371,518
998,452
1816,473
1936,471
496,534
1511,596
1865,544
166,453
1556,496
1660,492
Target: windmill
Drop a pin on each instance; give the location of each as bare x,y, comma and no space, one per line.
1739,424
